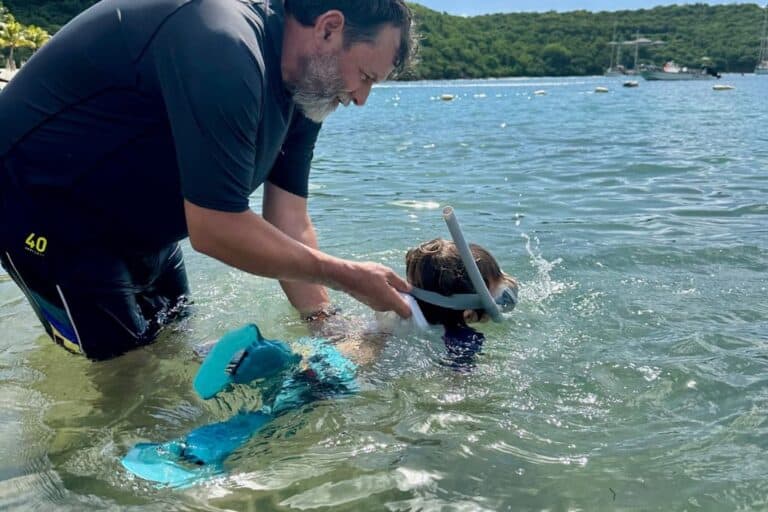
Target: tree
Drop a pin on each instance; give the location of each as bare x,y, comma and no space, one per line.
557,58
530,43
37,36
13,35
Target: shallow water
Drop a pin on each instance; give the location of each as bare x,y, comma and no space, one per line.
633,375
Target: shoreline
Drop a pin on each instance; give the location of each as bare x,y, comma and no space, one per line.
6,76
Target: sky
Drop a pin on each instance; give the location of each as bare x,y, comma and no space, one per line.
473,7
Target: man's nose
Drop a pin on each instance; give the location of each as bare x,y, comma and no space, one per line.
360,96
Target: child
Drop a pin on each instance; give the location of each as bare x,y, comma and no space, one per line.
436,266
321,367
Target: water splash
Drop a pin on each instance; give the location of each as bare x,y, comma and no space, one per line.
543,286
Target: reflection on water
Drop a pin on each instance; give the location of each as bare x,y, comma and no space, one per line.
631,376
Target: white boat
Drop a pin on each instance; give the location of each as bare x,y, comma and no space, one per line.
631,83
762,60
601,89
722,87
672,71
447,97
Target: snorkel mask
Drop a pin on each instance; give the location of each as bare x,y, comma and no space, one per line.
504,300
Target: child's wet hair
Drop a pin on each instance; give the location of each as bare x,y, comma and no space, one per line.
436,266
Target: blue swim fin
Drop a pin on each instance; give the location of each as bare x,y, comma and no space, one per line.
243,356
240,357
163,464
199,455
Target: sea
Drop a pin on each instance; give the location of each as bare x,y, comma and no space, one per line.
633,374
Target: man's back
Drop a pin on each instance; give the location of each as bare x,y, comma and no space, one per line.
86,82
117,113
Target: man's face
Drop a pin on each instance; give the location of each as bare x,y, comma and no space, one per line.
320,87
335,75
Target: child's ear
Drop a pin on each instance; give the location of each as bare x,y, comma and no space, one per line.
470,316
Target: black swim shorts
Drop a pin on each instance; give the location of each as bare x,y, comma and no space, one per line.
93,299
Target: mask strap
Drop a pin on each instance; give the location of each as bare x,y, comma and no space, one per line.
489,305
416,314
458,301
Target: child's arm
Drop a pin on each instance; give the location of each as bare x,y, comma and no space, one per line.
351,336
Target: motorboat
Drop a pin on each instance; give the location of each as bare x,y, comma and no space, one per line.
671,71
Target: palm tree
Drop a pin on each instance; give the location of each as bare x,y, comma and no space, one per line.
36,36
13,35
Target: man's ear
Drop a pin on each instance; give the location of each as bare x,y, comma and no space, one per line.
329,28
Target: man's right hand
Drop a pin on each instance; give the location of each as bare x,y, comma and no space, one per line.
371,283
248,242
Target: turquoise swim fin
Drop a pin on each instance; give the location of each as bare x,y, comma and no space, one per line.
200,455
240,357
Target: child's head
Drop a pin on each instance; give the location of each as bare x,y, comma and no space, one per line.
436,266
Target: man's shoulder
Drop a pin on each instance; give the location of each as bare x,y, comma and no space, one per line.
239,17
220,28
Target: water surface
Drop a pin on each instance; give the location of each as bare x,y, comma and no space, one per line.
633,375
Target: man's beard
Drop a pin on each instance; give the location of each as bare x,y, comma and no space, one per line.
320,87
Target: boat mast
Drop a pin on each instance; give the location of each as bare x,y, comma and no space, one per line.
637,47
614,55
764,40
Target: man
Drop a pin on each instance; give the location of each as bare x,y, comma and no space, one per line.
145,121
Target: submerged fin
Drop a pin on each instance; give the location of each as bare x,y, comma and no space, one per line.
240,357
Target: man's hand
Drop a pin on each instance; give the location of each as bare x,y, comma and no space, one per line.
372,284
248,242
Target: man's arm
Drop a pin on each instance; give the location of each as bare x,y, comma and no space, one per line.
288,213
250,243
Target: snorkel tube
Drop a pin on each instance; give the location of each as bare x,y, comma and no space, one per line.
482,299
489,305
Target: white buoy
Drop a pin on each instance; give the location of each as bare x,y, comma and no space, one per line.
540,92
601,89
447,97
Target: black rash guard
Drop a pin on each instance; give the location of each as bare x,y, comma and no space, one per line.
136,105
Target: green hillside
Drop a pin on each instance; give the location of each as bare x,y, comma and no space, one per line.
536,44
576,43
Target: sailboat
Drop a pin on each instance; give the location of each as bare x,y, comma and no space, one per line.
762,60
615,68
